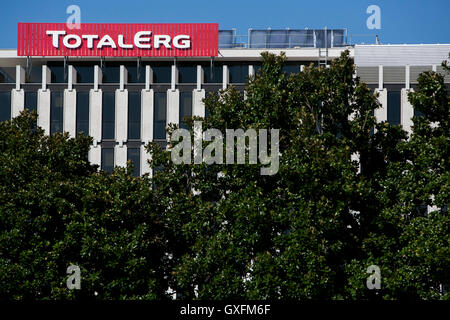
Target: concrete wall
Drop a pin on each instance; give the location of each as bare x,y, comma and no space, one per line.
70,112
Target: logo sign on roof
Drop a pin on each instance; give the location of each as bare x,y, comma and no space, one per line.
118,40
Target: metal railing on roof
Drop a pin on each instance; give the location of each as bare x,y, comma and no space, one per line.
284,38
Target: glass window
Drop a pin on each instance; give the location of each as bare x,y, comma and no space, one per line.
108,159
393,107
134,115
111,72
291,67
187,73
5,105
85,71
134,154
159,128
83,112
418,113
162,72
214,73
7,74
34,74
58,73
238,72
185,107
56,111
31,100
108,115
135,74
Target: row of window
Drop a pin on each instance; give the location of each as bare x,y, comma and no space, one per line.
187,72
133,154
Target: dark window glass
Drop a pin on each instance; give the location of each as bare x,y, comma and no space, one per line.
134,115
83,112
187,73
58,73
135,74
33,74
111,72
393,107
85,71
108,159
256,67
238,72
185,107
159,128
134,154
7,75
291,67
5,105
108,115
31,100
214,73
56,111
162,72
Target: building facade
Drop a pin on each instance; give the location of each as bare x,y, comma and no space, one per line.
126,102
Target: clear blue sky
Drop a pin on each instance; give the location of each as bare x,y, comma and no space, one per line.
402,21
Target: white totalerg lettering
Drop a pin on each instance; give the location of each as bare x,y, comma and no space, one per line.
141,40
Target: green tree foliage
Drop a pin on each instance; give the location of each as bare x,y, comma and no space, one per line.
225,231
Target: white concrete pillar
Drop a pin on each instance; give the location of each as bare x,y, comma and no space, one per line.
434,67
147,107
302,68
148,77
121,125
120,155
407,111
95,155
200,77
20,76
198,107
173,107
145,157
17,102
174,77
251,71
71,77
95,116
225,77
381,113
43,109
380,77
407,77
123,78
70,112
46,77
98,77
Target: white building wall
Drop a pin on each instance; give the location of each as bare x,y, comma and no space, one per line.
70,112
43,109
17,102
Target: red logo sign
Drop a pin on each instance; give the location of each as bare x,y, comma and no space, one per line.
118,40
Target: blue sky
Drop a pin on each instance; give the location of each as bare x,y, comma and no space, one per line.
402,21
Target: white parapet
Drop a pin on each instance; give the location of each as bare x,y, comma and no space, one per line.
198,107
70,112
407,111
173,106
95,116
121,111
43,110
147,106
17,102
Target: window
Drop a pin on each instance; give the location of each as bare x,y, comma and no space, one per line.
159,128
58,72
34,74
214,73
185,107
238,72
5,105
83,112
134,154
108,115
393,107
56,111
31,100
7,74
187,73
111,72
134,115
85,71
291,67
108,159
162,72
